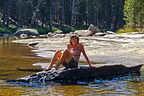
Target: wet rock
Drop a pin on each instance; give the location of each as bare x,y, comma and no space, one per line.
100,34
83,72
58,32
55,35
42,36
110,32
26,33
59,35
71,33
50,34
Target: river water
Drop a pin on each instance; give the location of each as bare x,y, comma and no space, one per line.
16,61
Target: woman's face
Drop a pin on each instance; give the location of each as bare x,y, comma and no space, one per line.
74,40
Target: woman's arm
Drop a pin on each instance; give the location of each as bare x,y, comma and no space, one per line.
68,46
85,55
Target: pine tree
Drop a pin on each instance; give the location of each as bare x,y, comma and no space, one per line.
134,13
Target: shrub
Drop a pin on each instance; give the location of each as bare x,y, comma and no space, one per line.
54,29
126,31
103,30
67,30
5,30
45,30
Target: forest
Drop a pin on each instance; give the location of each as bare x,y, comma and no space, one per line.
69,15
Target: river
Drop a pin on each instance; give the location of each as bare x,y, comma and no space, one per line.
16,61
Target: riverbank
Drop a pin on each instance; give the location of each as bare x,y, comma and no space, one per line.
126,49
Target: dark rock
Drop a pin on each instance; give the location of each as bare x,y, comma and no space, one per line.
50,35
32,43
84,72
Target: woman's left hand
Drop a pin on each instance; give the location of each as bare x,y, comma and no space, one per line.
56,68
92,66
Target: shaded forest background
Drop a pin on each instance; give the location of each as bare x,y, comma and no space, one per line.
66,15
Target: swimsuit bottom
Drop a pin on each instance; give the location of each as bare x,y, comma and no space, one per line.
72,64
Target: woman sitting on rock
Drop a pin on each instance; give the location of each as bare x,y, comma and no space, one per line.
70,57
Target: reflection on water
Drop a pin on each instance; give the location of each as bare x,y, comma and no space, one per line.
124,86
15,62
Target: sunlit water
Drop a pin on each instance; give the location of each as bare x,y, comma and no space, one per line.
14,57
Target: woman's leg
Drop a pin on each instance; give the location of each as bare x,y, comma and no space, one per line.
66,56
56,57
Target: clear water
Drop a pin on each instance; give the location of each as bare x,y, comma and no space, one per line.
14,57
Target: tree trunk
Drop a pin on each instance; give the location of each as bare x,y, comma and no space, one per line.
62,21
5,17
50,15
19,23
141,23
33,20
73,13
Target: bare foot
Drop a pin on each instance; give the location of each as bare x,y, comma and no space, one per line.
47,69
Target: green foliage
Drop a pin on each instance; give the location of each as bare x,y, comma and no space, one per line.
106,14
126,31
103,30
6,30
67,30
45,30
42,30
54,29
134,13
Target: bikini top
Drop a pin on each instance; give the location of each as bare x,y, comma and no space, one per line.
76,52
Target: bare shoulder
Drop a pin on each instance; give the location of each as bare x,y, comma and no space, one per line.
68,45
80,45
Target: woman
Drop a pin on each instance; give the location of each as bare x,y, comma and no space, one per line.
70,57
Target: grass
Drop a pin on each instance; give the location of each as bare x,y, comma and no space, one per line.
126,31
